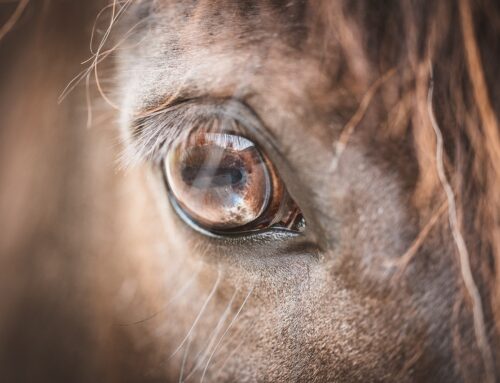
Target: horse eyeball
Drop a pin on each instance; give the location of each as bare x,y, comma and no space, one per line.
220,180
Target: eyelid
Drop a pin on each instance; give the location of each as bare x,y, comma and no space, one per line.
154,131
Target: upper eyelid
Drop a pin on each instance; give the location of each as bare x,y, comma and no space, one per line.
153,131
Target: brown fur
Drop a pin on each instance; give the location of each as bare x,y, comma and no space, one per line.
101,281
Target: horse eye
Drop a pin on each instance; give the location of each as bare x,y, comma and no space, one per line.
225,184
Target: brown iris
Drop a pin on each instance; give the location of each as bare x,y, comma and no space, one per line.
224,183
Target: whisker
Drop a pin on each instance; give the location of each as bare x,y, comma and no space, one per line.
105,55
179,293
225,333
212,337
205,304
233,351
94,27
98,56
184,358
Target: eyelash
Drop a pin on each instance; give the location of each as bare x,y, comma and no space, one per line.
154,130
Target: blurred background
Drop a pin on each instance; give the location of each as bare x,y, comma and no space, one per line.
58,205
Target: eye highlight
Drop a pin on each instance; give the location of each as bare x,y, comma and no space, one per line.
225,184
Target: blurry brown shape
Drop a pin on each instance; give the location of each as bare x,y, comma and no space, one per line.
56,183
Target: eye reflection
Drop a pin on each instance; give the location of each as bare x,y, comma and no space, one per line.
219,179
225,184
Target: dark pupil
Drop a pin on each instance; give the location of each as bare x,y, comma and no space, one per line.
203,177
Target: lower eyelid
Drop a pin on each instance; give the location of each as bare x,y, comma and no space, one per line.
233,238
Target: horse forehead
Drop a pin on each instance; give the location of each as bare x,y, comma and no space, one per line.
181,28
229,49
